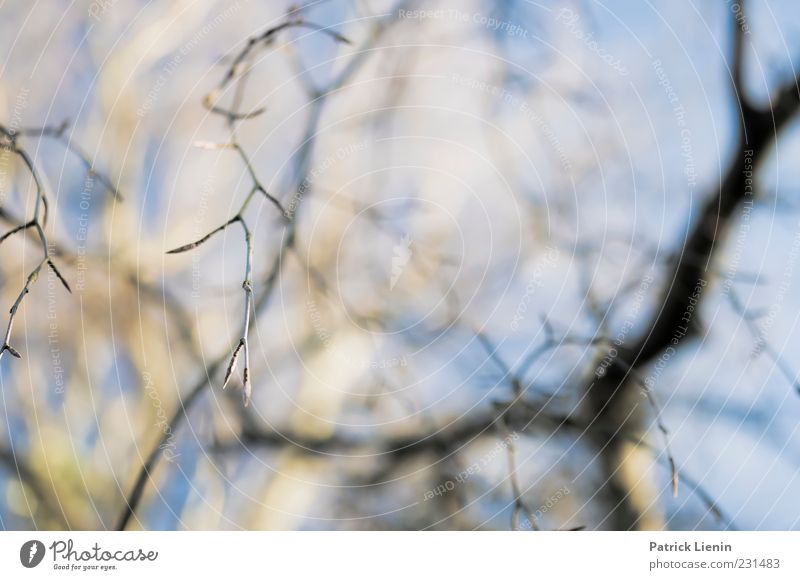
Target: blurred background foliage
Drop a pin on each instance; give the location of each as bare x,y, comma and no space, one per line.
468,181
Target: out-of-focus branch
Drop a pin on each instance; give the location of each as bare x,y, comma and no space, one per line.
762,346
59,133
447,441
143,475
520,505
612,397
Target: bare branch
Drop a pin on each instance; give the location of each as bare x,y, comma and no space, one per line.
611,396
232,363
204,239
761,342
37,222
17,229
59,275
236,71
58,133
520,506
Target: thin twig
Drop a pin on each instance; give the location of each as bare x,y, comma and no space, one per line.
37,222
59,134
762,345
520,506
41,210
270,282
651,398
